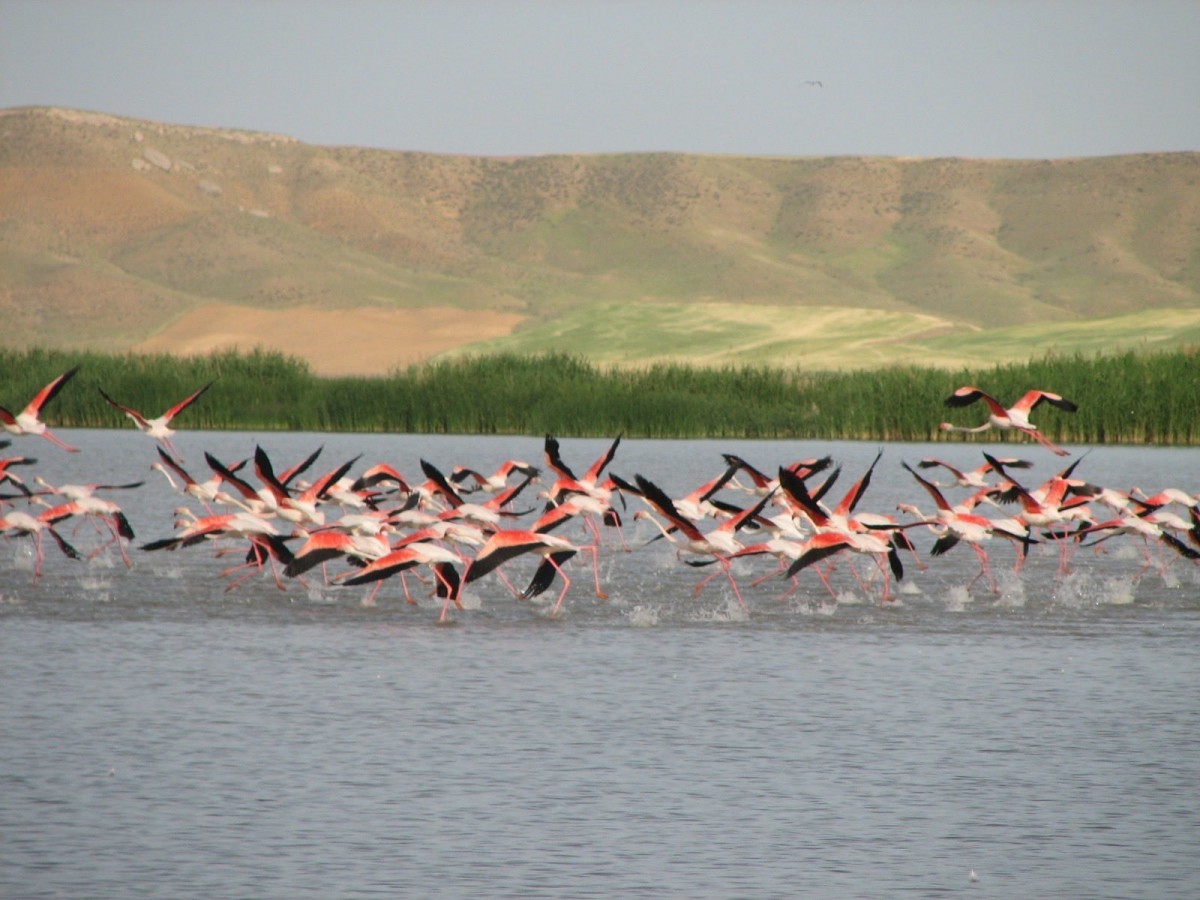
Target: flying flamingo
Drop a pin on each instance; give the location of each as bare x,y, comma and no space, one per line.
581,506
494,483
976,477
266,542
589,484
1145,525
6,475
28,420
1014,417
1058,502
333,543
762,484
158,428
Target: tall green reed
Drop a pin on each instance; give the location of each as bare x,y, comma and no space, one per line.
1123,398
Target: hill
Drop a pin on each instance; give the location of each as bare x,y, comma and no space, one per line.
122,234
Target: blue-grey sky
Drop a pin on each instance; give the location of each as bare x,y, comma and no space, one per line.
981,78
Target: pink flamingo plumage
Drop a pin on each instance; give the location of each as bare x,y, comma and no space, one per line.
29,421
1013,417
510,543
159,427
18,522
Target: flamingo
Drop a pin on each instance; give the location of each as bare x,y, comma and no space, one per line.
158,428
720,543
958,525
494,483
698,503
560,468
93,507
861,533
9,461
28,420
510,543
440,560
801,553
761,484
589,483
23,523
579,505
976,477
206,492
323,546
300,508
1146,525
487,514
266,542
1013,417
1058,502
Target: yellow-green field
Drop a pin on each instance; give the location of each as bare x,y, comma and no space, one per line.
821,338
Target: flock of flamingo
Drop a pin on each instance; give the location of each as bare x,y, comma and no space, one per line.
452,529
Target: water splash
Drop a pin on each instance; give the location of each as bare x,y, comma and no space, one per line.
848,597
642,617
1081,589
1012,590
958,598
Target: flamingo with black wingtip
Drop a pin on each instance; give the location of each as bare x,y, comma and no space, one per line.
29,420
159,427
1013,417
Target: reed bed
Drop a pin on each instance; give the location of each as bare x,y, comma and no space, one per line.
1134,398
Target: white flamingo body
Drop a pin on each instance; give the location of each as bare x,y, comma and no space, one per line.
158,427
29,419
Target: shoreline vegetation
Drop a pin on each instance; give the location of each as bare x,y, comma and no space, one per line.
1123,398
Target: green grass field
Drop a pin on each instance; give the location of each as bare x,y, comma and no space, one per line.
822,338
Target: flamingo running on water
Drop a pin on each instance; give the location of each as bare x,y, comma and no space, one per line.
29,421
510,543
720,543
19,522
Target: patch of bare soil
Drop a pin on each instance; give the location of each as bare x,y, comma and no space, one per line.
362,341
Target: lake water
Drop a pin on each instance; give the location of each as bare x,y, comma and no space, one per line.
160,737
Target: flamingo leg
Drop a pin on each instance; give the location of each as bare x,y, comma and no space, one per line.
600,593
58,442
566,586
985,568
1045,442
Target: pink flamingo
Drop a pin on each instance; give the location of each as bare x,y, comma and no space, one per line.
158,428
956,525
19,522
28,420
1013,417
440,560
976,478
508,544
720,543
494,483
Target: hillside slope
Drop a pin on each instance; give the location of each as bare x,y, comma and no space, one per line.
117,233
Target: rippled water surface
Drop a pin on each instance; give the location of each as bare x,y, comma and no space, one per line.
164,738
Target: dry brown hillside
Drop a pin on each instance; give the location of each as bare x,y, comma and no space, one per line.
117,233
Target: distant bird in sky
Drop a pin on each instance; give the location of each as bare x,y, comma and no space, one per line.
813,83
